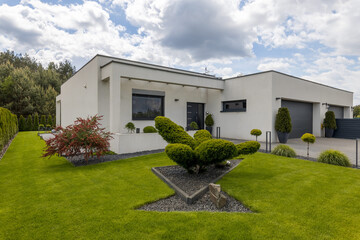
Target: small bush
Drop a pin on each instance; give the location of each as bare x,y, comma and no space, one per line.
149,129
215,151
209,121
29,123
182,154
334,157
194,126
202,136
36,122
330,121
130,127
256,133
22,123
173,133
249,147
283,121
283,150
84,137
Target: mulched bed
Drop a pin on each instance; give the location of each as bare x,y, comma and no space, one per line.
3,151
190,183
174,203
80,161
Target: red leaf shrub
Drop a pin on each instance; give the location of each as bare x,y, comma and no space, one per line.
84,137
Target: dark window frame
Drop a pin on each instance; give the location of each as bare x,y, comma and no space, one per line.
234,110
148,96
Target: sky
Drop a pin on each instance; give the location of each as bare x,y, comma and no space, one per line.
313,39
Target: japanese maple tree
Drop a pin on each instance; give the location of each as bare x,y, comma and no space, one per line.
84,137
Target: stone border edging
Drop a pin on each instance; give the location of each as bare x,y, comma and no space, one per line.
189,199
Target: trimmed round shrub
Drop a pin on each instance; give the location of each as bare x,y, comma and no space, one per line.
249,147
329,121
149,129
283,150
256,133
202,136
209,121
283,121
308,138
334,157
182,154
173,133
215,151
194,126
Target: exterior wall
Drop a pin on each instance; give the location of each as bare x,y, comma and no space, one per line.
292,88
256,89
79,95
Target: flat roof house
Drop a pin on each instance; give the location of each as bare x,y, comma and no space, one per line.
123,91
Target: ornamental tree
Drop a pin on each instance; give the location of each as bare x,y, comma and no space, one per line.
256,133
308,138
85,137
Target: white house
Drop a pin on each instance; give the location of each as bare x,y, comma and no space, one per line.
127,91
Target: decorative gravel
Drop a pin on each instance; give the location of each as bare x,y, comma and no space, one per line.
174,203
80,161
190,183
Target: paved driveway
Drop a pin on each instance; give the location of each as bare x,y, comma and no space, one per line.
346,146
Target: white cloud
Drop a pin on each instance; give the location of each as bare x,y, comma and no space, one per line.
278,64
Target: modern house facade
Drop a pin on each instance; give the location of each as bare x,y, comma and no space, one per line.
125,91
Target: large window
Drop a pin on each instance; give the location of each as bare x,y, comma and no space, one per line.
147,107
234,106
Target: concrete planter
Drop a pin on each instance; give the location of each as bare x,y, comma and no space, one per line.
209,129
283,137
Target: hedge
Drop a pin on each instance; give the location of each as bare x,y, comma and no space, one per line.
8,126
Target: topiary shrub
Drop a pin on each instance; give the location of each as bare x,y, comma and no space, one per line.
209,121
130,127
334,157
202,136
215,151
194,126
183,155
36,122
173,133
149,129
308,138
22,123
29,123
330,121
283,121
256,133
248,147
283,150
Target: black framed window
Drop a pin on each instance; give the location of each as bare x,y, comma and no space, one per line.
147,107
234,106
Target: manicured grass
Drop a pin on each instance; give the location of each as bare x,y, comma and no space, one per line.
50,199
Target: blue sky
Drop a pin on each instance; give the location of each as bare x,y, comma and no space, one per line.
313,39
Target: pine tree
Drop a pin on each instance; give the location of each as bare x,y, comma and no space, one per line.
36,122
29,123
22,123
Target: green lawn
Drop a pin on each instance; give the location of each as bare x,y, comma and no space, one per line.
50,199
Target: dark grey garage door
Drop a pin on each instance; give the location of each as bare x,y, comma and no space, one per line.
301,117
339,111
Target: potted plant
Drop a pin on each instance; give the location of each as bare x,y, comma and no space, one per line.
283,124
329,124
130,127
209,121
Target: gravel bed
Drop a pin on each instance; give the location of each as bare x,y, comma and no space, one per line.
174,203
190,183
80,161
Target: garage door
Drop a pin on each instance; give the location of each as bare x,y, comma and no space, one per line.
301,117
339,111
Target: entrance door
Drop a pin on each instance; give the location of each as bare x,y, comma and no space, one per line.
195,113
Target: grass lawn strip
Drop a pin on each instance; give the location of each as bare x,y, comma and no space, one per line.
51,199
